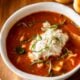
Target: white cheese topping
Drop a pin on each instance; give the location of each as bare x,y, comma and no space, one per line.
49,43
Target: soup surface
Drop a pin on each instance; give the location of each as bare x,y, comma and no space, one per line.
41,44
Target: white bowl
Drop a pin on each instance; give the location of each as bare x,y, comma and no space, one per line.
44,6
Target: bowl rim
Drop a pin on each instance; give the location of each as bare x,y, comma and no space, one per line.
11,66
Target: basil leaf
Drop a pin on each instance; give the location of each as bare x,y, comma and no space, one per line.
20,50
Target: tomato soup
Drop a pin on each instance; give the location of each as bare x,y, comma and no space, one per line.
26,39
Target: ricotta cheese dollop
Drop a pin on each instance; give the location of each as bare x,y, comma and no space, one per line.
49,43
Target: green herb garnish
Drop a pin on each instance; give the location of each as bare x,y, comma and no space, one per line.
20,50
54,26
46,48
65,53
33,47
57,39
39,37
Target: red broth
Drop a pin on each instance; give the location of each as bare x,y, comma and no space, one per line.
30,26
